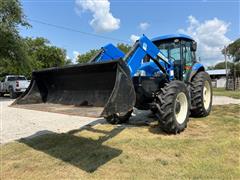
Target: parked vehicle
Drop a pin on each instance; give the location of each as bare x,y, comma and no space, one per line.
13,85
161,74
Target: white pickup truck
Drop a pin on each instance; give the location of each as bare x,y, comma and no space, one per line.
14,85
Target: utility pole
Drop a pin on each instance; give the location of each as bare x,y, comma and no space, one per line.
234,76
226,65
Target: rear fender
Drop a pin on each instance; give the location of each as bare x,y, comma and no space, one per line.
197,67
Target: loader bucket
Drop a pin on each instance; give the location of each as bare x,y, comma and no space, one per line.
93,89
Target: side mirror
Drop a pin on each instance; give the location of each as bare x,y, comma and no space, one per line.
194,46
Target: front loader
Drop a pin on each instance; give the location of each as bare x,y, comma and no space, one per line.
159,74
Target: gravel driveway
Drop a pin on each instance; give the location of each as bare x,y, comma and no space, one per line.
18,123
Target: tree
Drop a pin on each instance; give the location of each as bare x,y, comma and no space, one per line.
230,66
83,58
124,47
233,50
210,67
19,55
40,54
12,47
222,65
43,55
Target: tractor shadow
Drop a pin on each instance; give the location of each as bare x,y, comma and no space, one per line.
85,153
147,119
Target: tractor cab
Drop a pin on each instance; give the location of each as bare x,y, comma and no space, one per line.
181,50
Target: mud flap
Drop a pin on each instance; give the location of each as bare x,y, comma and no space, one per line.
107,85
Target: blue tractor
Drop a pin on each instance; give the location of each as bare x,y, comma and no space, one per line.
161,75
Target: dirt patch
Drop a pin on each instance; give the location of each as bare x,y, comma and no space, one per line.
64,109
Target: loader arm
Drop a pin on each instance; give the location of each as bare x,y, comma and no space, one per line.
134,57
143,47
107,53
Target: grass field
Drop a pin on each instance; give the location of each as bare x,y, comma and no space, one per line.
207,149
223,92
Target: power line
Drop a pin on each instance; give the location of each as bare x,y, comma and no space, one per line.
78,31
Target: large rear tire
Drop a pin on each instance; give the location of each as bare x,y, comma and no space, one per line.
173,107
201,95
115,119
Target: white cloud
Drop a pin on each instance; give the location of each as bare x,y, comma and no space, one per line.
211,38
75,55
134,38
78,11
144,26
103,20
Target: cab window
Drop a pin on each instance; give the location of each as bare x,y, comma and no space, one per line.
171,50
187,53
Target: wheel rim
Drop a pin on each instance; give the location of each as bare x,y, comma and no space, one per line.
181,108
206,95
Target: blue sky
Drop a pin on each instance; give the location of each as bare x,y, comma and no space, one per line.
212,23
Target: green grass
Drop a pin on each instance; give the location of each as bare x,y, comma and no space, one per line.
229,93
207,149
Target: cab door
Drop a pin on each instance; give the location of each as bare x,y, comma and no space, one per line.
188,58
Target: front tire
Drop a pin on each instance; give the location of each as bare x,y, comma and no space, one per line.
115,119
201,93
173,107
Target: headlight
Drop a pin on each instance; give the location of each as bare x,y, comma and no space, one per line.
140,73
157,74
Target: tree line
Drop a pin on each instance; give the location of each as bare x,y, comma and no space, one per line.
20,55
83,58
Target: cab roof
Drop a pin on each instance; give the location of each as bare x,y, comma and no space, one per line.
173,36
